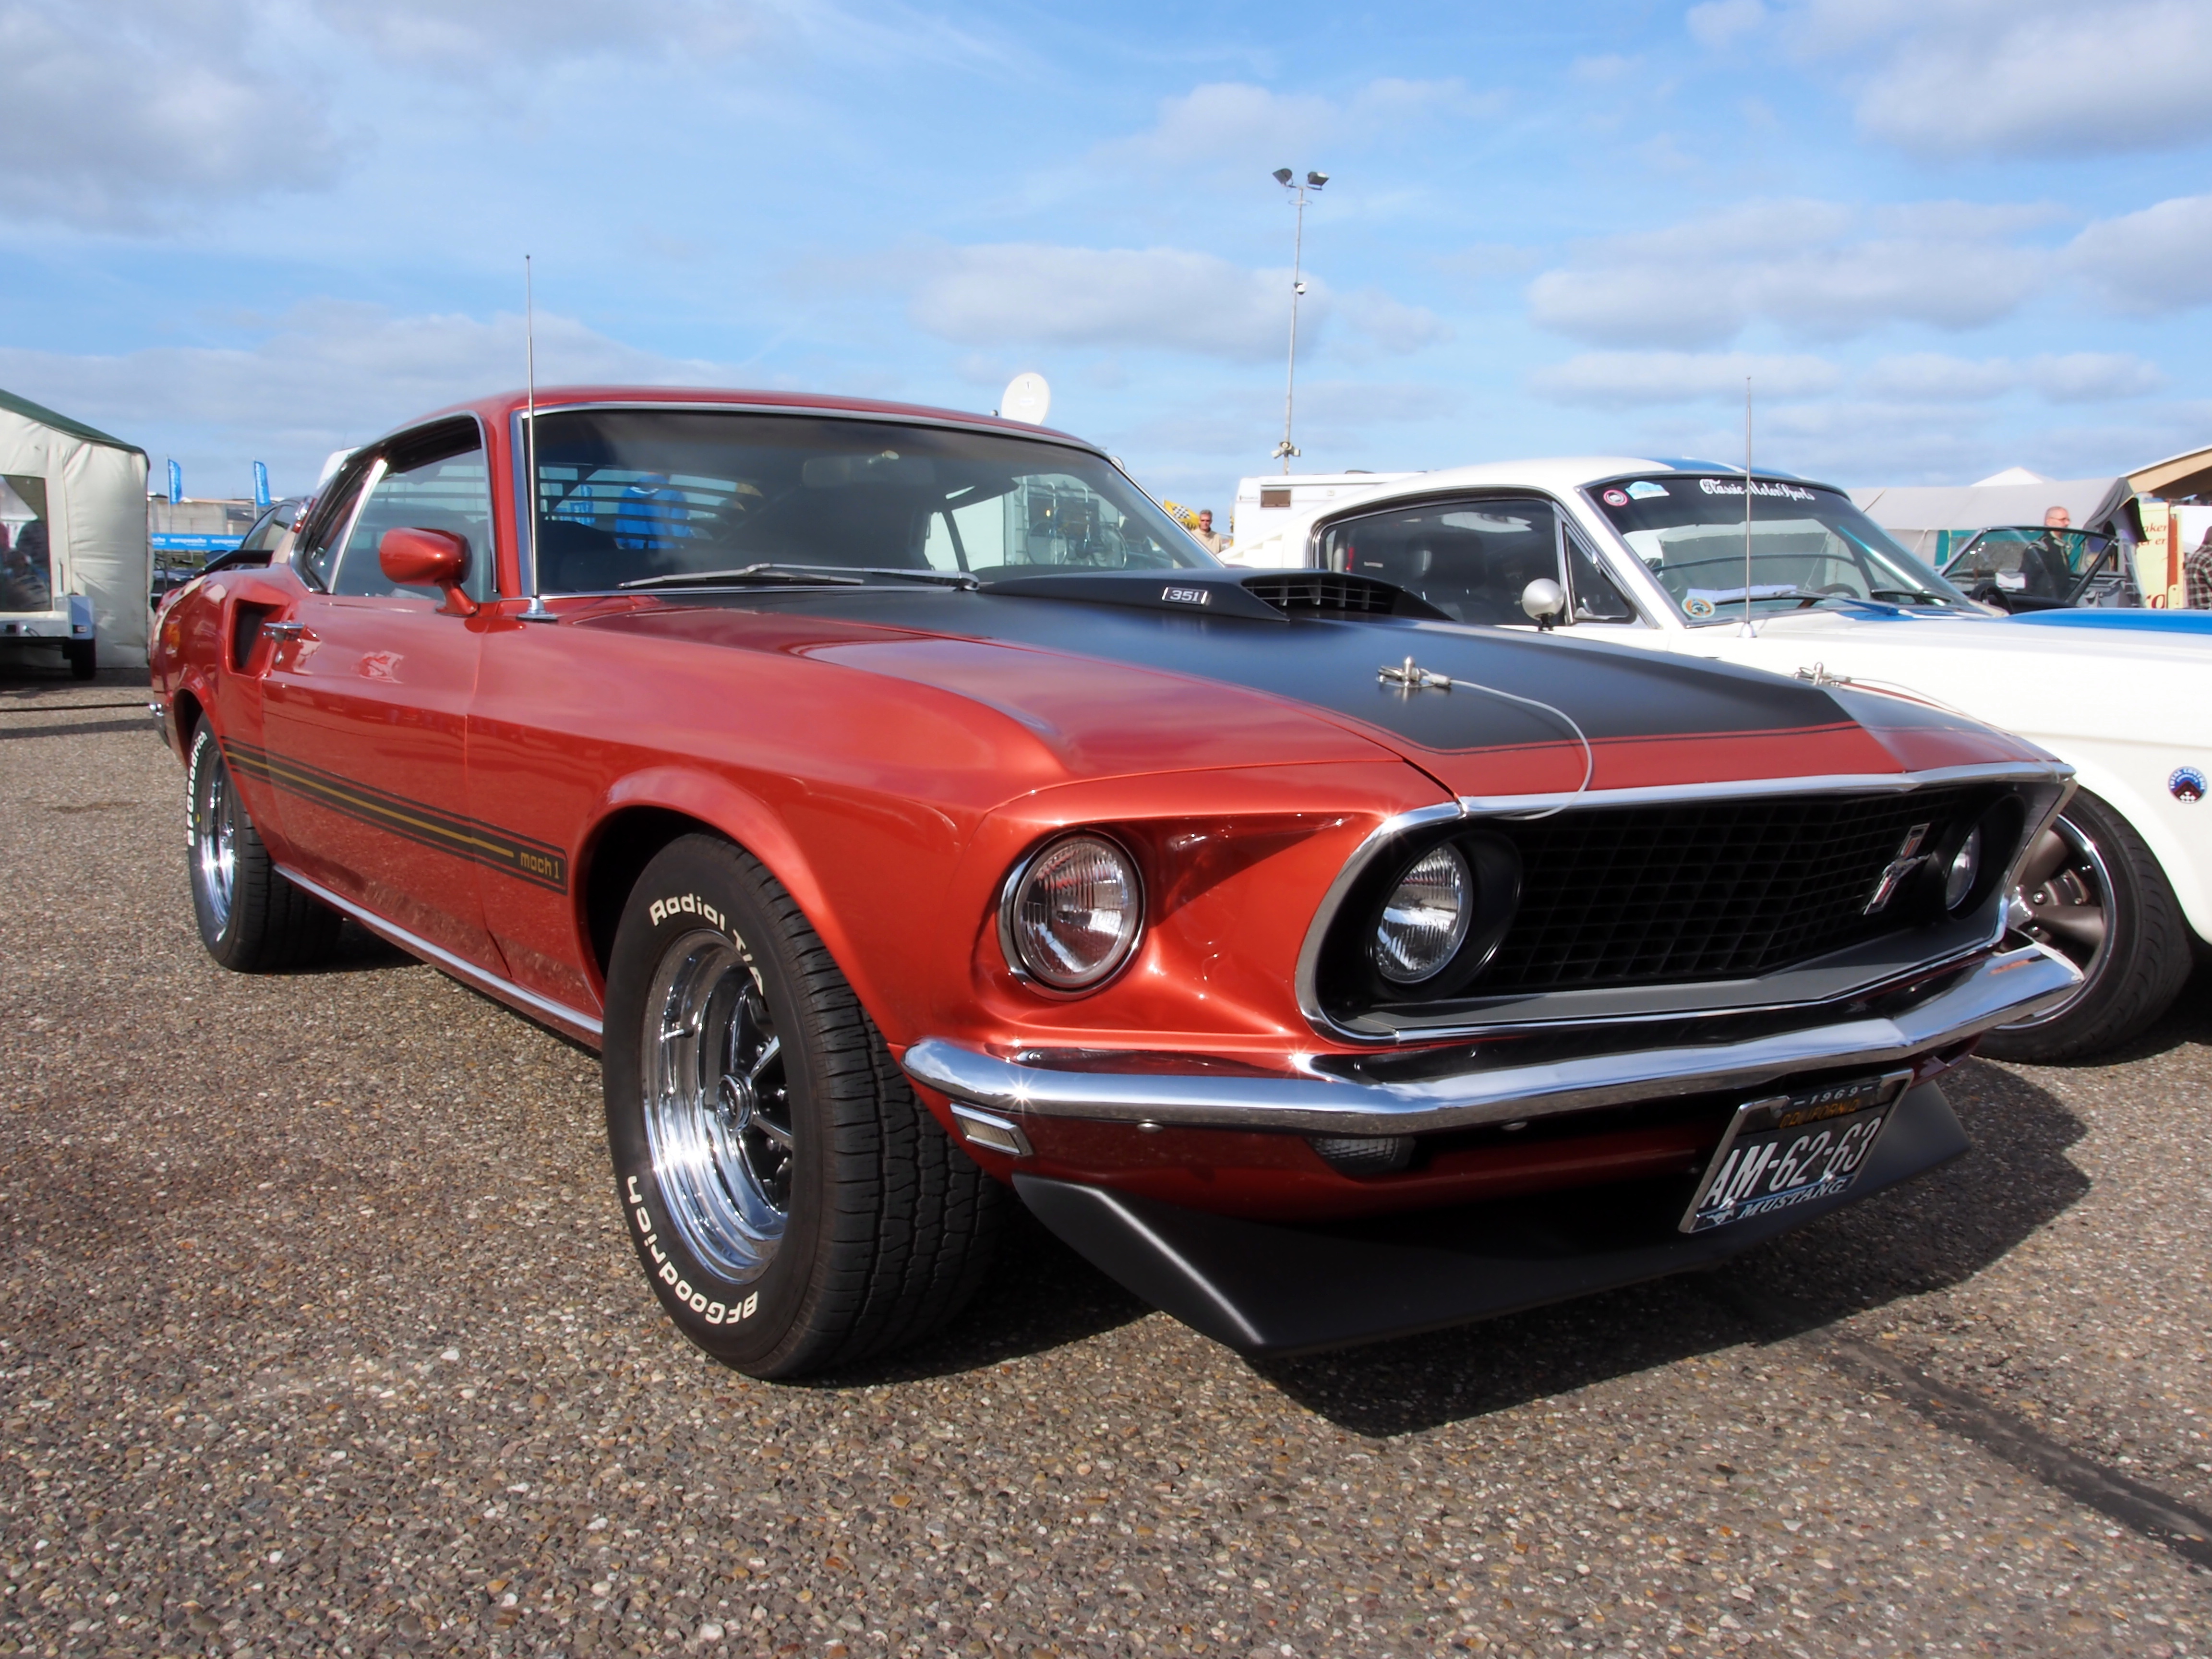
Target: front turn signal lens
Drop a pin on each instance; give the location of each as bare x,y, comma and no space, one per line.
1071,914
1423,921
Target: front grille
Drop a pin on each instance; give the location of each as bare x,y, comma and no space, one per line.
1324,593
1724,889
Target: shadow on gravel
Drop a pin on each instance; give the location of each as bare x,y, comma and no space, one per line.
1927,1234
2189,1021
1040,1295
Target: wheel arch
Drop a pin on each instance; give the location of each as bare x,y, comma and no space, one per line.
186,711
2153,819
646,811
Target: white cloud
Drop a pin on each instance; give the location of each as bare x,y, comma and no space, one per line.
1720,23
1816,269
2094,377
1236,125
2075,377
119,116
1162,297
2156,261
326,374
1934,377
1601,70
1391,326
1605,378
2020,77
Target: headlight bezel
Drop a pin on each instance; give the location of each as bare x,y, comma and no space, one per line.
1468,900
2002,825
1041,980
1493,887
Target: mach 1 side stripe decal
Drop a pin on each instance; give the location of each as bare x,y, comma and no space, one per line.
537,862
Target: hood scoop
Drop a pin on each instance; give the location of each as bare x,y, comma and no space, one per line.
1331,594
1270,596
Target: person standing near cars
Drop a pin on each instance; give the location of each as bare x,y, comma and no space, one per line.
2044,562
2197,574
1207,539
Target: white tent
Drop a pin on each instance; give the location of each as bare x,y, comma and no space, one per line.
1915,514
90,490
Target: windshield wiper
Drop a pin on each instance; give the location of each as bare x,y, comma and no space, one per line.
959,579
765,573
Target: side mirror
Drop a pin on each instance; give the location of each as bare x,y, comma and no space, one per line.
428,558
1545,600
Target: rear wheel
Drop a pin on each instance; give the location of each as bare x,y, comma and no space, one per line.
2097,896
793,1206
251,918
83,657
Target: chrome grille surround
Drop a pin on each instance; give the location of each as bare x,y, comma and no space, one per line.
2044,786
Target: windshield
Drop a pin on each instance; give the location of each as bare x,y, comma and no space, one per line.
646,496
1808,546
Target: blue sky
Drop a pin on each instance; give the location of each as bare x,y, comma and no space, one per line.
1941,237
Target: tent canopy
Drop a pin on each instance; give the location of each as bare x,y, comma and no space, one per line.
1915,514
94,488
2186,474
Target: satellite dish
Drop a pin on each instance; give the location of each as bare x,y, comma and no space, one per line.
1027,399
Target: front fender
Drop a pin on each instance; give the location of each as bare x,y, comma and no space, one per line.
752,823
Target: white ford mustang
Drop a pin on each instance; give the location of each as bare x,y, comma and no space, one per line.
1789,576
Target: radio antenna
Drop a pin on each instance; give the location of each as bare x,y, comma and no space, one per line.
535,610
1747,628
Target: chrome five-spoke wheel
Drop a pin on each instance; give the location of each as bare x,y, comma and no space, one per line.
2068,891
718,1106
214,838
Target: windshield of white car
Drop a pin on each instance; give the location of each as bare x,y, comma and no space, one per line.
658,499
1808,546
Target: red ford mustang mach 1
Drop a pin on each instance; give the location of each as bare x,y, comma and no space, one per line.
908,810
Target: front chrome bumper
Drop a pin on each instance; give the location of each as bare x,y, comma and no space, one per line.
2009,985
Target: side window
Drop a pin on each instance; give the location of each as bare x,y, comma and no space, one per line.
318,550
1596,600
435,482
1469,558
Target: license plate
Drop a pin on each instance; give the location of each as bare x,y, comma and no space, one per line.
1787,1150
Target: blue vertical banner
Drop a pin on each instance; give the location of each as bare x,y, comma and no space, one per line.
261,485
176,483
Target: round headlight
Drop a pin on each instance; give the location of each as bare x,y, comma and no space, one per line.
1072,914
1964,874
1423,921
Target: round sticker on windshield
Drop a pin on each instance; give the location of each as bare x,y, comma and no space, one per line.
2187,784
1616,498
1700,608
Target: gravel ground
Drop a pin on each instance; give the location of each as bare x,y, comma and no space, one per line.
322,1335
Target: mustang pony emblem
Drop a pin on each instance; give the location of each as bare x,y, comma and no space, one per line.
1909,858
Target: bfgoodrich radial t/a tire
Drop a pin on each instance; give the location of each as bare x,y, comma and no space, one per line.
251,918
793,1206
2097,896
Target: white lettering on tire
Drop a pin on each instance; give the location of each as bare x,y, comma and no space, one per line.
714,1313
689,905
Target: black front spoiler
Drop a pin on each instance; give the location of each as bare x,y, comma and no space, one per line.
1267,1288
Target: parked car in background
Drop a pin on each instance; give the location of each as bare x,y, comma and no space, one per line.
267,538
2023,567
1675,557
904,805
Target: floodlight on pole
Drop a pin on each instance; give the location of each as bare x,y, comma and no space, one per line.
1286,450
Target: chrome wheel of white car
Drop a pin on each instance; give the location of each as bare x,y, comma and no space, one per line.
2095,895
2068,894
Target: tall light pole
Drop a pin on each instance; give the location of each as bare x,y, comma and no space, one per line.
1299,192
